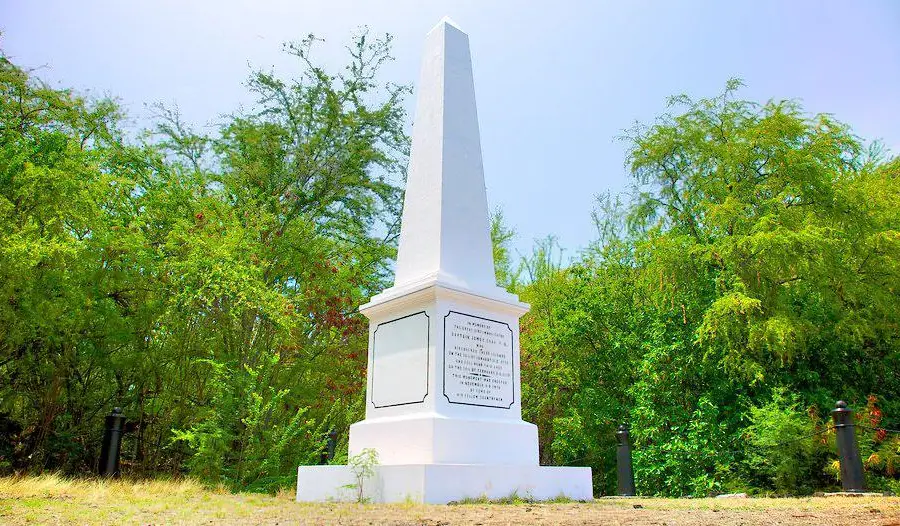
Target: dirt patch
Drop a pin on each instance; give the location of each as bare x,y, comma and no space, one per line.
633,513
58,501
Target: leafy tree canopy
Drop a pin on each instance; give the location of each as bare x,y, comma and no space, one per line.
757,256
206,283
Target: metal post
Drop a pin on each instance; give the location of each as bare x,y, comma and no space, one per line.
623,463
848,450
330,445
112,443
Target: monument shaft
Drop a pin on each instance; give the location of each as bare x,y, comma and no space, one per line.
446,229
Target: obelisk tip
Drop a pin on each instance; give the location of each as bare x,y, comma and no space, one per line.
447,21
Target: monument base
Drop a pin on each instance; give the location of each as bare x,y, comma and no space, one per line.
443,483
436,439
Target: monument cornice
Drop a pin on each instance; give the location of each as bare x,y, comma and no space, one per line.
433,288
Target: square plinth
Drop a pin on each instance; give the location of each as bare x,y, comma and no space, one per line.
444,483
434,439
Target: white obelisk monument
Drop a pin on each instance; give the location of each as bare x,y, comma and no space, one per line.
443,403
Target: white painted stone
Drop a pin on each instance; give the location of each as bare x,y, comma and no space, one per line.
446,227
441,428
443,407
399,373
478,361
435,438
444,483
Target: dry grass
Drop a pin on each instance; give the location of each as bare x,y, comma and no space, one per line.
51,499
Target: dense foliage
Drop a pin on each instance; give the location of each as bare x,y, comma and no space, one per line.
208,284
751,281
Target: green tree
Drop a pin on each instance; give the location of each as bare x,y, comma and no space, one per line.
298,219
72,294
758,253
506,269
206,283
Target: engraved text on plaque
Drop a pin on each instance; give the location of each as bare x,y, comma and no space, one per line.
478,361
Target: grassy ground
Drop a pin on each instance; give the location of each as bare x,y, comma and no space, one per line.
53,500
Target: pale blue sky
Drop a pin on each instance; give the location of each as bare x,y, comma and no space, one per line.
556,81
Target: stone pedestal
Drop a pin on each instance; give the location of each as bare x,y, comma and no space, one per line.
444,379
445,483
443,399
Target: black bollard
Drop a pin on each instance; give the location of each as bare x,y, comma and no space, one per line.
330,445
623,463
112,443
852,479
